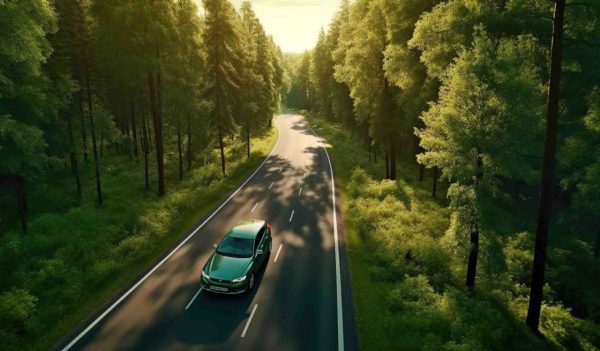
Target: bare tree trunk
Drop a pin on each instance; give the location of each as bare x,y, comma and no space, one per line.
83,132
375,152
74,164
545,209
392,159
189,142
134,130
150,132
145,141
369,147
387,164
179,150
93,131
473,253
421,172
128,142
248,137
157,134
222,150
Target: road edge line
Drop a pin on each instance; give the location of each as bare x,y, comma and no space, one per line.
338,276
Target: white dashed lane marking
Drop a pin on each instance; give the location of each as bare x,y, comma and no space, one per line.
249,320
278,251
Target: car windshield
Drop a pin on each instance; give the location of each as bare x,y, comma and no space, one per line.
236,247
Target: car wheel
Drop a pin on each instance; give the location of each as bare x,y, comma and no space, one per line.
270,244
251,283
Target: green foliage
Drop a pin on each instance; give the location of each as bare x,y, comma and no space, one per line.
157,81
475,73
24,48
487,123
407,257
298,94
70,263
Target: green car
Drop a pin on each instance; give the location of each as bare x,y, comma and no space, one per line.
233,266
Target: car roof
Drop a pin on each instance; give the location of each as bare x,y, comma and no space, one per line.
246,228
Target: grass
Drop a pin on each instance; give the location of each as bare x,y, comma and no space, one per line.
408,254
75,258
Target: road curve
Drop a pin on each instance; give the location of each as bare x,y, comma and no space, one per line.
303,299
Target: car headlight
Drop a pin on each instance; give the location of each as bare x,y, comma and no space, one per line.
240,279
205,275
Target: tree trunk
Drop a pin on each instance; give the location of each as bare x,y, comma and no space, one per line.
369,147
189,142
93,131
128,142
145,141
179,150
74,164
222,151
248,137
134,130
435,182
473,253
157,134
375,153
421,172
545,209
387,164
392,159
150,132
83,133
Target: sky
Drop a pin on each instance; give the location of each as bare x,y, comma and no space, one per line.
294,24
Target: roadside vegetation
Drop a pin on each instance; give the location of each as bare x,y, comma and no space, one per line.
408,262
121,124
473,213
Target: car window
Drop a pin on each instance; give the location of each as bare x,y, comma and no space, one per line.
235,247
259,237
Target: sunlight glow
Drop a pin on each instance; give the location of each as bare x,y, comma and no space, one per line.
294,24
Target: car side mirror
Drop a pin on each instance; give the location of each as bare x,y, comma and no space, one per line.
215,246
259,252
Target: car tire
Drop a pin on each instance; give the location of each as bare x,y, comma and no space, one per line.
251,282
270,244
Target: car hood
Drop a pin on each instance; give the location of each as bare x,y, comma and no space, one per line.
226,267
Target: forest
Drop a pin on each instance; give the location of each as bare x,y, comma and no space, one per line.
120,123
473,215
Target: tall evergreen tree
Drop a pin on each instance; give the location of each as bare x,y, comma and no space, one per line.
223,45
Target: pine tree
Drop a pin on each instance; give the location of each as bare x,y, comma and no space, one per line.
222,40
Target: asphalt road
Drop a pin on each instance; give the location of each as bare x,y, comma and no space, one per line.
302,300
